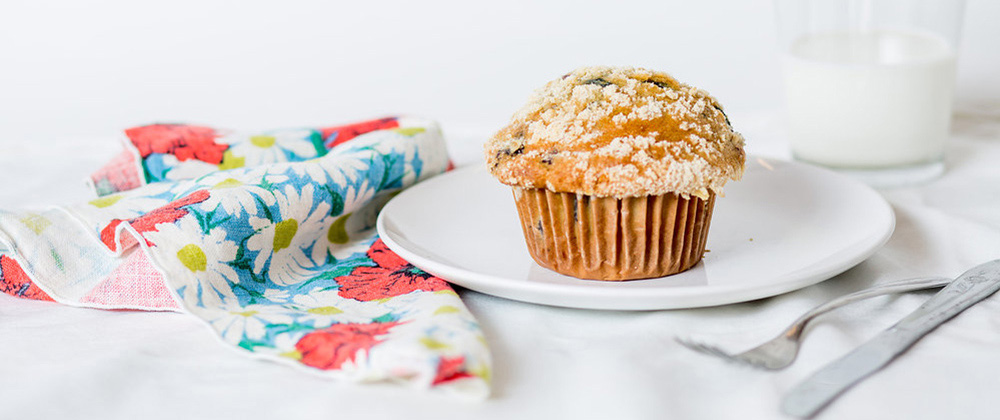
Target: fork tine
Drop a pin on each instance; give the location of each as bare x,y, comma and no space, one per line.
717,352
781,351
756,364
684,342
704,348
698,347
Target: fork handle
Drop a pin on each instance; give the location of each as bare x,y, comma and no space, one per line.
900,286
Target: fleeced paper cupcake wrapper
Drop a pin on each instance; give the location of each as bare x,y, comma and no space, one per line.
269,238
607,238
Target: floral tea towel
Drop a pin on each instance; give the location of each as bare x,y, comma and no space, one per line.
267,237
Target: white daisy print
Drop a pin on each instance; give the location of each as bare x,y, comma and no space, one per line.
341,236
250,322
270,174
277,296
238,191
281,243
236,197
188,169
201,261
325,307
125,205
312,169
348,166
273,147
284,343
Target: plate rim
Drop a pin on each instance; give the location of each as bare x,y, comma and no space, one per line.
698,295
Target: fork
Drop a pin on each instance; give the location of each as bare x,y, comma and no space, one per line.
780,351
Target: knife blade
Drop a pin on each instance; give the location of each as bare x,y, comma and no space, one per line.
816,392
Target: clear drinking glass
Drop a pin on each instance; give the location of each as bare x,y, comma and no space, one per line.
869,83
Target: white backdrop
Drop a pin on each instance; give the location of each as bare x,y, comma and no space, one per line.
92,68
74,74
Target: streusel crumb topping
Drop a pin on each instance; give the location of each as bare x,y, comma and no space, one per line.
618,132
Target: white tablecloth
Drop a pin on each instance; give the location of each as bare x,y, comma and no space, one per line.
58,361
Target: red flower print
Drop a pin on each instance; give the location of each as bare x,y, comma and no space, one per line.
346,132
169,213
15,282
450,369
331,347
183,141
392,276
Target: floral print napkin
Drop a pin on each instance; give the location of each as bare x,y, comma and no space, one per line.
267,237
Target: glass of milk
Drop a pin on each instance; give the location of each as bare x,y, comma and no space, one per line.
868,84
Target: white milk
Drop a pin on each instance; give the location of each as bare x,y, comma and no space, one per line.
869,100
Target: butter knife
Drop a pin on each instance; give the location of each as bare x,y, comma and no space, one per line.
813,394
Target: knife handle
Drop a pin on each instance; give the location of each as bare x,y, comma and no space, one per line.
971,287
810,396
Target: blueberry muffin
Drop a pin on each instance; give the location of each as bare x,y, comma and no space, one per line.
615,172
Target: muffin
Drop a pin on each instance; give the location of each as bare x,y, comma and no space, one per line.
615,172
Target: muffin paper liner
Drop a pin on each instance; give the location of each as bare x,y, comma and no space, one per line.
607,238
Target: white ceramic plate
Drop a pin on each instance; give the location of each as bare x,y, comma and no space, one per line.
785,226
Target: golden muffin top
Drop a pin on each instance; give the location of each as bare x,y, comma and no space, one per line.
618,132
